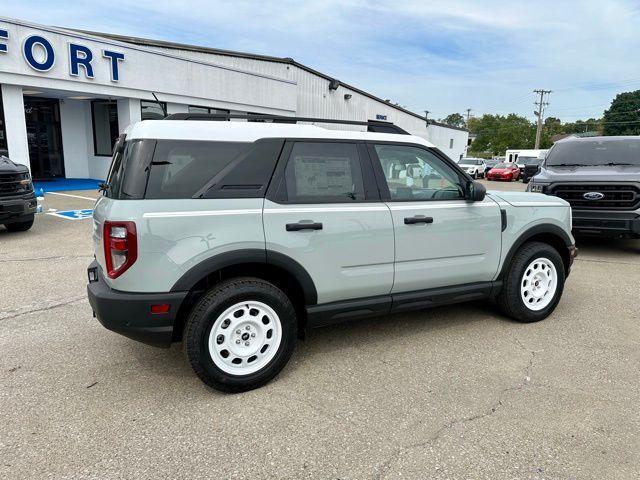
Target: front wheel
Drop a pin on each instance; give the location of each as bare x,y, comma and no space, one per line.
240,334
20,226
533,284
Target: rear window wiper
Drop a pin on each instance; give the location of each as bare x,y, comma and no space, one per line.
615,164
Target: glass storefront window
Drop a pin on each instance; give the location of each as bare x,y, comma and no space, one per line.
104,114
152,110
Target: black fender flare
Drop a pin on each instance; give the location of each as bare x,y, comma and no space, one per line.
245,256
541,229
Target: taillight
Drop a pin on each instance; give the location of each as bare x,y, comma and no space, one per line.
120,247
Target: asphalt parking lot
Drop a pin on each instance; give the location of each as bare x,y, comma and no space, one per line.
453,392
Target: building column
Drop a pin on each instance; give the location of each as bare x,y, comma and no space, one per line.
128,112
15,124
74,137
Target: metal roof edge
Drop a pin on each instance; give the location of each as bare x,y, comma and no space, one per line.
286,60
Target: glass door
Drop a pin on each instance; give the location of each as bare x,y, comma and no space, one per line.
44,136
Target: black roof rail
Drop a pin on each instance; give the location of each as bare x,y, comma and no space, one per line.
372,125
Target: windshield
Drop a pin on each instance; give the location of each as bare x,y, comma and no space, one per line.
530,160
503,165
595,152
470,161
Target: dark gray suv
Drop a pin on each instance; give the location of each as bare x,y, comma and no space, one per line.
600,178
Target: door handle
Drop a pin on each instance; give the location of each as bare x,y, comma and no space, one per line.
417,219
296,227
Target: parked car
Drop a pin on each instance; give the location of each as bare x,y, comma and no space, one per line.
489,164
504,171
18,202
473,166
530,168
235,237
600,178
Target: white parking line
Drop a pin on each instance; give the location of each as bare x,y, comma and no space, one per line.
69,195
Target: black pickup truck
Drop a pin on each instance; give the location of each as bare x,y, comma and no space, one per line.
18,202
600,178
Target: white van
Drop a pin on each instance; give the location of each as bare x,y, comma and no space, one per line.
520,157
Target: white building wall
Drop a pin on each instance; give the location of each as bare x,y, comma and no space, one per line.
128,112
15,122
314,99
451,141
75,148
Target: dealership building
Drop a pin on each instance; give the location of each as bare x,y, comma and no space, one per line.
67,94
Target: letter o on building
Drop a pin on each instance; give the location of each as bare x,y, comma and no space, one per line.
43,64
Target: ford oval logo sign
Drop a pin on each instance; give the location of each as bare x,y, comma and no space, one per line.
593,196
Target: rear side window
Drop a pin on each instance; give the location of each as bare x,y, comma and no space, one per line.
181,168
321,172
129,168
158,169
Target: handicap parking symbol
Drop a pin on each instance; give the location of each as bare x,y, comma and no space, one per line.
74,214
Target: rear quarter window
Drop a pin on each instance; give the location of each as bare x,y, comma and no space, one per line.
181,168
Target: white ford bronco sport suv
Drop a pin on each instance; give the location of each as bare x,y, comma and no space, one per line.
235,237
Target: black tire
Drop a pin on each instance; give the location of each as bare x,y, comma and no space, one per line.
20,226
510,300
212,304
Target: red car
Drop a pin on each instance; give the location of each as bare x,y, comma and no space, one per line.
504,171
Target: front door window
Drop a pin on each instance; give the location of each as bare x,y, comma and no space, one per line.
415,174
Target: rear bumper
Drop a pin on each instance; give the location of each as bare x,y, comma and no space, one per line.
129,314
606,223
17,209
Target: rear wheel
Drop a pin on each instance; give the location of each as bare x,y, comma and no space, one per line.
240,334
20,226
533,284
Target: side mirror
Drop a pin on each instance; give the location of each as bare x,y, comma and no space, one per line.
531,170
477,192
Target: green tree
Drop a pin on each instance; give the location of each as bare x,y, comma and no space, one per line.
497,133
552,126
623,117
583,126
455,120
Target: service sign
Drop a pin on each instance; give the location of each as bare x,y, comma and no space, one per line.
42,57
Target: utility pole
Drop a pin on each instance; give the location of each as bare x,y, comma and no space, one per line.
541,104
468,114
426,117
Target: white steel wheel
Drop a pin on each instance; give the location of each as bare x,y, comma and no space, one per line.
539,284
245,338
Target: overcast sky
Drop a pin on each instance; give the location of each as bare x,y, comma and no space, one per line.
442,56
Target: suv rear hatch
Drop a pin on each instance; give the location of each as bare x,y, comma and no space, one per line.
157,189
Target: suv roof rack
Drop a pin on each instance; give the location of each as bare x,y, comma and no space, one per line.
372,125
